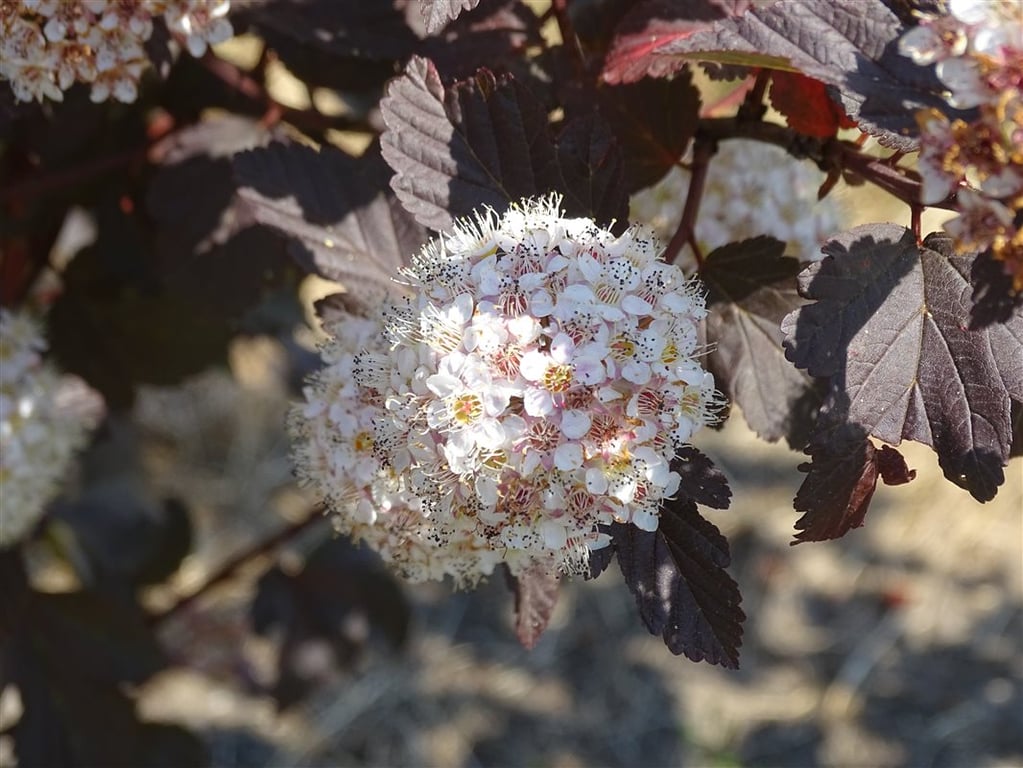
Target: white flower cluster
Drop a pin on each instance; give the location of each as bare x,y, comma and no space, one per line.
978,47
45,418
48,45
535,386
751,189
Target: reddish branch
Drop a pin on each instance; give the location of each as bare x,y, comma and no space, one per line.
311,121
568,36
753,108
228,569
847,156
703,151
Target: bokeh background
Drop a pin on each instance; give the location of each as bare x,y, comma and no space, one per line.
897,645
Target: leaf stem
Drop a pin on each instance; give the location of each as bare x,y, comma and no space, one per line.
915,213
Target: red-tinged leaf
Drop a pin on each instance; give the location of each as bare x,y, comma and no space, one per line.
840,482
654,121
437,13
701,480
892,466
806,105
536,595
850,45
346,222
591,171
650,27
677,575
484,142
890,328
751,287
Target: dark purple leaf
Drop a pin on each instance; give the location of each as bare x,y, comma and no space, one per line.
346,223
126,540
1017,430
344,597
654,121
994,300
14,597
595,22
165,745
677,575
850,45
347,45
536,594
751,287
483,142
75,662
111,641
600,559
892,466
591,171
187,201
890,327
841,479
494,35
117,323
701,480
66,719
437,13
348,28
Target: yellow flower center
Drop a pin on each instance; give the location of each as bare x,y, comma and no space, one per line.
363,442
557,378
467,408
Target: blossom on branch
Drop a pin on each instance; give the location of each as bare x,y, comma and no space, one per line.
534,386
978,49
46,46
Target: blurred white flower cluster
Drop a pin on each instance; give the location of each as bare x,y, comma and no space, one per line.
535,386
45,417
978,47
48,45
752,188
